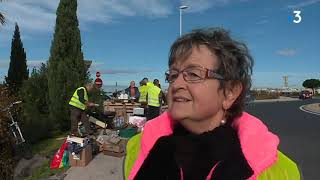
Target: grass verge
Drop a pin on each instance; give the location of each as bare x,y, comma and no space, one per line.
47,148
44,171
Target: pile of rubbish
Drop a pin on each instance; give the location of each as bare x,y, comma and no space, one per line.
111,143
110,137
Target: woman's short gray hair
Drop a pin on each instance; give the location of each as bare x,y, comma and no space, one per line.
234,59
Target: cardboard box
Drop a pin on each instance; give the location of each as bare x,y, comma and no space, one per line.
110,151
138,111
82,159
118,148
81,141
100,147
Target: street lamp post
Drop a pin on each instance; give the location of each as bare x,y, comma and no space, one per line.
181,8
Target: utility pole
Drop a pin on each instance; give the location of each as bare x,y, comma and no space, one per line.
285,80
181,8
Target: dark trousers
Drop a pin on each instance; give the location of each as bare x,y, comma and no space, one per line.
152,112
77,115
145,108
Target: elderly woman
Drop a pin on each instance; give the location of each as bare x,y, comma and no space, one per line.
205,134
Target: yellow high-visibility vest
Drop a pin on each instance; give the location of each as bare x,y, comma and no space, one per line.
284,168
150,84
143,93
75,99
153,96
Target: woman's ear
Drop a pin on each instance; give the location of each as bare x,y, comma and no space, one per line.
233,91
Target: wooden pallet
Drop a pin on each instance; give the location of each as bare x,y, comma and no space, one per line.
97,122
114,107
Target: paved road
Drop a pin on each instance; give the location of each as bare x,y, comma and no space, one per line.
299,132
100,168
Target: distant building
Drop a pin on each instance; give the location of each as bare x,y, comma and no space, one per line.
289,90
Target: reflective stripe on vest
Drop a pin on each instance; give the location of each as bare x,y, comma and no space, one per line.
153,96
75,99
143,93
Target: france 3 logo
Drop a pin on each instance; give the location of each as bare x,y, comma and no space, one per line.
296,17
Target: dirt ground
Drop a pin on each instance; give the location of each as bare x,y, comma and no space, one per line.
25,167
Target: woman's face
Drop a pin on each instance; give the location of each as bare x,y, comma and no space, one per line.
200,101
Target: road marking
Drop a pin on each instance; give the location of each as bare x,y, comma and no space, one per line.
301,108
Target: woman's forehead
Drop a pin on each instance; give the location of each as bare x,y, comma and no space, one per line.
198,56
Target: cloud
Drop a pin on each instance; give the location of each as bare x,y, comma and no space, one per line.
125,71
95,66
30,17
202,5
4,64
151,8
39,15
31,64
286,52
303,4
275,79
50,5
268,74
264,21
35,64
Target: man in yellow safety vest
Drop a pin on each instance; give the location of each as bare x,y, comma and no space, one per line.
143,90
154,98
78,104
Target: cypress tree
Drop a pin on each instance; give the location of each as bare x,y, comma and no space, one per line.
66,69
17,71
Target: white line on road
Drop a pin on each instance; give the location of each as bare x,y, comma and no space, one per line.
301,108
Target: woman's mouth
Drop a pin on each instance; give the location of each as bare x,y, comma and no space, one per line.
180,99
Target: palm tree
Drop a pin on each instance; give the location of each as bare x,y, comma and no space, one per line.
2,19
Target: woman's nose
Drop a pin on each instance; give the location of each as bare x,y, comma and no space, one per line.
179,82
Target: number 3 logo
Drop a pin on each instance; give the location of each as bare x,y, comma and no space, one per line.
297,17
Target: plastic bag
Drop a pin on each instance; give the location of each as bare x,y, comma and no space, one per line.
61,157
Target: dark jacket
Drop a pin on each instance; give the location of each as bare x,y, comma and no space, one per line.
137,95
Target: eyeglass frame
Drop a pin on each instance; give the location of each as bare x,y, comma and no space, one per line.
209,74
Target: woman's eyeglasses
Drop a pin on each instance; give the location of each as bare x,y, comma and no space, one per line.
192,74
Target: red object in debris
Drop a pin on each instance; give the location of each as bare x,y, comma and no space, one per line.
98,74
57,159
